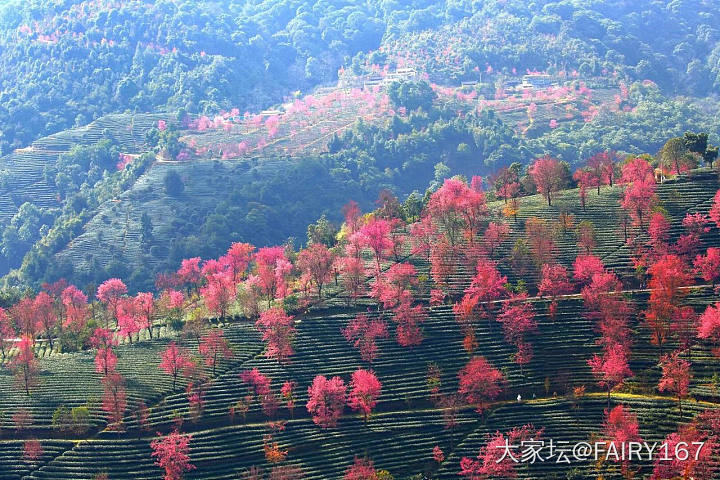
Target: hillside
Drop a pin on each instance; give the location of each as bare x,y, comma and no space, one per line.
406,423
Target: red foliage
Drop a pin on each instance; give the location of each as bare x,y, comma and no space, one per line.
518,319
676,376
237,260
495,459
585,180
586,267
495,235
172,454
23,313
393,287
110,292
24,364
365,390
708,265
714,212
353,276
547,173
272,268
610,369
278,331
144,304
75,303
351,212
541,241
257,381
668,276
659,231
32,450
326,400
637,170
174,360
362,469
486,286
438,455
114,399
456,207
376,235
555,281
219,292
213,348
480,382
189,272
362,332
709,328
506,184
317,262
408,319
639,199
422,236
620,428
698,464
43,307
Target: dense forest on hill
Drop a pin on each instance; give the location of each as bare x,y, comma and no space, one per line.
65,63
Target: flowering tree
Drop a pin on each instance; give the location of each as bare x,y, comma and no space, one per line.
708,265
25,365
675,377
363,332
585,180
495,235
259,383
586,267
316,261
75,305
172,454
554,282
667,277
272,268
699,463
394,286
145,311
326,400
408,319
6,332
375,235
362,469
365,389
480,382
541,241
610,369
189,272
422,236
287,391
518,319
353,276
277,330
110,293
237,260
105,359
114,399
219,292
619,429
457,207
174,360
547,173
46,318
491,461
714,212
213,348
709,328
